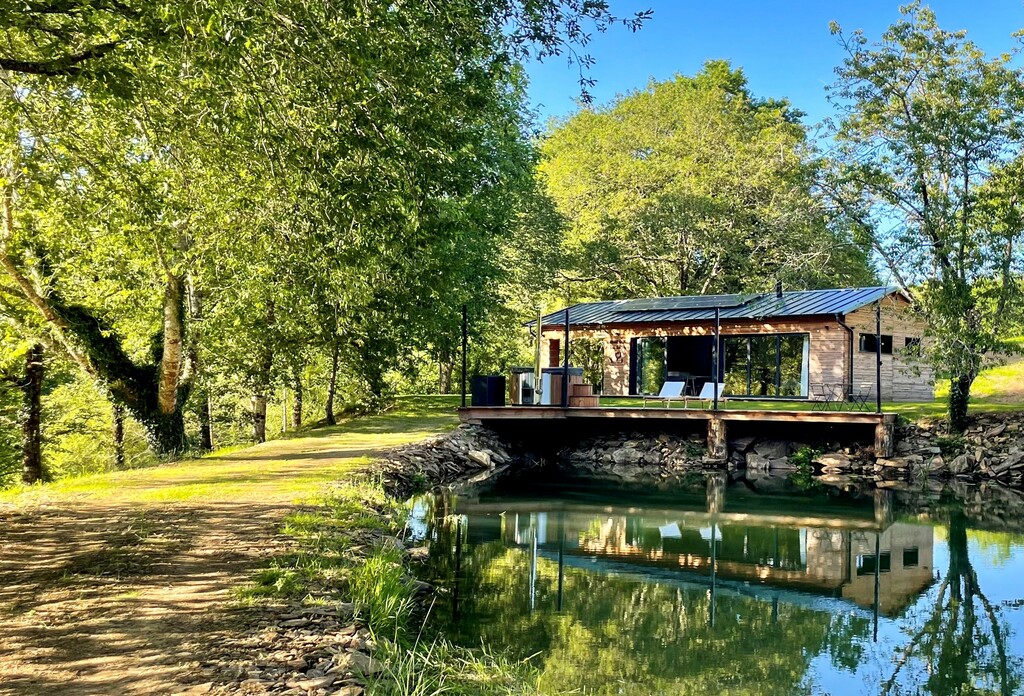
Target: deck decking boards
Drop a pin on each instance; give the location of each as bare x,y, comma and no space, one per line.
480,414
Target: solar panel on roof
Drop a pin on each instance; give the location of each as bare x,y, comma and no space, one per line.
661,304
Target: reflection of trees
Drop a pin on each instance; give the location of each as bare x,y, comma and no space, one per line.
962,641
619,634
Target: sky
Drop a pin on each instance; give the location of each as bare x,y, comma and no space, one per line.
784,48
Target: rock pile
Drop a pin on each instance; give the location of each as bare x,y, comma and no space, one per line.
470,453
635,456
294,650
991,449
644,456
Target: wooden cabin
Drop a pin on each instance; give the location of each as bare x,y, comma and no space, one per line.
789,345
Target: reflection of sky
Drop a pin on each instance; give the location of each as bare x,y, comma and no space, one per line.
417,524
1002,582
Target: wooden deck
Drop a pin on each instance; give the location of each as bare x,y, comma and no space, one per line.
485,414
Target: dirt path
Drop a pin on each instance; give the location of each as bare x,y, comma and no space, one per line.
116,601
121,584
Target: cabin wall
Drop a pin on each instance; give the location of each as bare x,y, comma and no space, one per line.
826,360
904,376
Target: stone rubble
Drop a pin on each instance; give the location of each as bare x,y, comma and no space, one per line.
293,649
468,454
992,449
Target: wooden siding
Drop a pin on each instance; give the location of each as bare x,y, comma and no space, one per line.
904,378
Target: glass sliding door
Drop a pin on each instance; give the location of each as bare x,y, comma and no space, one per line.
650,373
768,365
736,375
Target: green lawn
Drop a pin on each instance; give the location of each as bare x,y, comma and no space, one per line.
997,390
281,470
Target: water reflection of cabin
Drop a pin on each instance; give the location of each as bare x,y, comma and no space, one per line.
837,559
770,345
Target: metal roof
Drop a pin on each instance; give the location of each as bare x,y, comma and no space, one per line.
656,310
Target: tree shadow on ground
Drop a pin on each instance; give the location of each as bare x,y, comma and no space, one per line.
116,601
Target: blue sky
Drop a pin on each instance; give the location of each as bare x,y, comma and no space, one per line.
784,48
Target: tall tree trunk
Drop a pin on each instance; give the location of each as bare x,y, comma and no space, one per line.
447,369
959,397
206,423
173,338
32,412
154,394
297,402
332,387
118,436
259,417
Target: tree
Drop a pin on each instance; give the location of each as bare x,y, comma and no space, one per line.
962,641
257,156
925,166
692,186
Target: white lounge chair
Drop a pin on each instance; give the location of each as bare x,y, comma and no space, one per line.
707,392
670,391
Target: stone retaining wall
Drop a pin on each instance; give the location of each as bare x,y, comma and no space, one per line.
991,449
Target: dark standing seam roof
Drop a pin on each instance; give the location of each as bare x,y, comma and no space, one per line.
801,303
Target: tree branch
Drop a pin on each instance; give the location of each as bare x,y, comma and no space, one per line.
64,65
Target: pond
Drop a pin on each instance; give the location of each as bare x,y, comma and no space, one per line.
721,586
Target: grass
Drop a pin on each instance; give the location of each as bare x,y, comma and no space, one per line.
345,554
283,470
998,389
343,550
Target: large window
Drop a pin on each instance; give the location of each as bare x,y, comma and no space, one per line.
766,365
650,365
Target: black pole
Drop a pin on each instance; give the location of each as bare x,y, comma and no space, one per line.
878,356
465,347
565,364
458,567
878,562
561,558
714,354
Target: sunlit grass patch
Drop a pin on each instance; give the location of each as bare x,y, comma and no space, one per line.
439,667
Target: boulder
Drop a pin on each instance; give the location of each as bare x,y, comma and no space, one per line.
742,444
772,449
626,455
757,461
960,465
481,457
834,460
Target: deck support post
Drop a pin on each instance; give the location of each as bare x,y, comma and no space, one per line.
716,492
885,439
884,515
718,448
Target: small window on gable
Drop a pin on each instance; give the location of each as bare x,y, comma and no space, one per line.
869,343
866,563
911,557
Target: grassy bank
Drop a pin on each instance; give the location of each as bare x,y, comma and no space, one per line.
338,526
347,549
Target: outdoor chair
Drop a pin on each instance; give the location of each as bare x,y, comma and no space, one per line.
670,391
823,396
707,392
859,396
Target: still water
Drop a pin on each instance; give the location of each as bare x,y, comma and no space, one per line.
725,587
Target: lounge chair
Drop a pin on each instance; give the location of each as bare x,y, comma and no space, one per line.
707,393
670,391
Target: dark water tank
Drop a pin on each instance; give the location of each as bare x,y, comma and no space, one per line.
487,390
